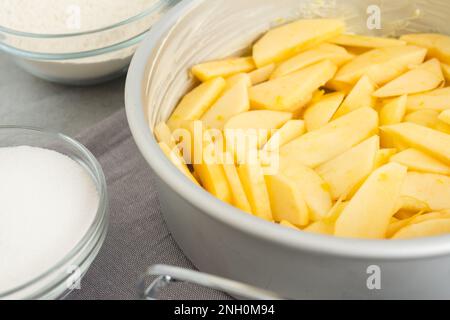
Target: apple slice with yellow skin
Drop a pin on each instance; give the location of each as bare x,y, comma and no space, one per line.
433,142
360,96
248,132
416,160
262,74
320,146
292,92
320,227
348,170
239,197
164,135
212,176
438,45
445,214
438,100
430,228
394,111
446,71
177,161
383,156
428,118
223,68
321,112
196,103
313,188
369,213
287,224
381,65
353,40
233,80
425,77
410,206
233,101
286,200
417,218
325,51
444,116
252,178
288,132
286,41
433,189
326,226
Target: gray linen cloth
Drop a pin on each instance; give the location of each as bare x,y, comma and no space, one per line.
137,235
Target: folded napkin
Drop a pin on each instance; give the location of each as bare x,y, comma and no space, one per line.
137,235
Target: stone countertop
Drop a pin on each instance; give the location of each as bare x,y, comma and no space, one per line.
30,101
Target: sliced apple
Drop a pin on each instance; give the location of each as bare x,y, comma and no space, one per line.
262,74
321,227
369,213
321,112
197,102
445,214
239,197
287,201
164,135
446,71
435,143
320,146
430,228
348,170
326,51
234,101
381,65
444,116
290,131
261,123
425,117
394,111
213,178
353,40
294,91
438,100
252,178
383,156
313,188
223,68
360,96
240,77
287,224
416,160
425,77
433,189
438,45
284,42
177,160
411,206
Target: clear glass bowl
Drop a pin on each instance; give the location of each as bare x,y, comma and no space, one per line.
106,54
55,283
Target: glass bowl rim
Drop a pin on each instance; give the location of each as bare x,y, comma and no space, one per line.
155,8
100,216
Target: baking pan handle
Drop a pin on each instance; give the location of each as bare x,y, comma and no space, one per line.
167,275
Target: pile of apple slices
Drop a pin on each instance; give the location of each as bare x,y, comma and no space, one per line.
360,127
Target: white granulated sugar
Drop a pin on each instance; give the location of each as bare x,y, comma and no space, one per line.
47,203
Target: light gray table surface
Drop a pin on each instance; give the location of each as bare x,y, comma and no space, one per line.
30,101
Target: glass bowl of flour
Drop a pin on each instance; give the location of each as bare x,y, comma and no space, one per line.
78,42
53,213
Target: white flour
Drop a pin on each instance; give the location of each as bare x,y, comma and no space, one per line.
47,203
73,16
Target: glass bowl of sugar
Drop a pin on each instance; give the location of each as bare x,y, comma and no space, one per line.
76,42
53,213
